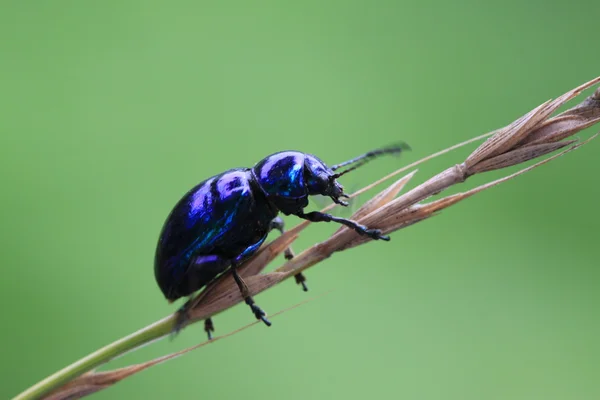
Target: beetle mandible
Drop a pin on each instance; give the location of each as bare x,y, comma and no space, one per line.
223,220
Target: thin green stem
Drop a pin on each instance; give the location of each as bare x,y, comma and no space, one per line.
163,327
143,336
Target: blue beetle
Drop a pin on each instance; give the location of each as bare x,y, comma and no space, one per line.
223,220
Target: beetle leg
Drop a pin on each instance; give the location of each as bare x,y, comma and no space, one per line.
316,216
182,319
209,327
258,312
198,270
278,224
301,280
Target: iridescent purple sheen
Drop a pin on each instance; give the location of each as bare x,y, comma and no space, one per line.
282,174
200,204
221,216
231,183
225,219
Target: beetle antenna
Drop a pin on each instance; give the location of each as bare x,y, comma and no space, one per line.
365,158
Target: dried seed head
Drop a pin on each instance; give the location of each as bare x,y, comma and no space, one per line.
518,156
507,147
529,137
535,127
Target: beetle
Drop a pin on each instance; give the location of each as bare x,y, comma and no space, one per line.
224,219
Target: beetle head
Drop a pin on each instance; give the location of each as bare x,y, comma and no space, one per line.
320,179
289,177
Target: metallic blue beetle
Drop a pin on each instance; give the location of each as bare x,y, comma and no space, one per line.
225,219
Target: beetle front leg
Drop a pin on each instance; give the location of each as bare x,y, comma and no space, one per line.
278,224
316,216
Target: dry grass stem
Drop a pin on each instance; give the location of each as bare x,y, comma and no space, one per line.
508,146
531,136
93,382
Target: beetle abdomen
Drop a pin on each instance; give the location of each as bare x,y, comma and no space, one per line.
217,217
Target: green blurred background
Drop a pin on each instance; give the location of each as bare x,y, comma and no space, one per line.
110,111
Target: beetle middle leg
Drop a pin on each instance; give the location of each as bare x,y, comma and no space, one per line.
278,224
213,265
258,312
316,216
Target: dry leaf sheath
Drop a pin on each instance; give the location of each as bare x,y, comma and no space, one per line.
533,135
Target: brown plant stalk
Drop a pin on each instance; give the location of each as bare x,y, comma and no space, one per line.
529,137
507,147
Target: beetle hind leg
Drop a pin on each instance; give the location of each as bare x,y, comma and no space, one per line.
200,271
183,318
209,327
278,224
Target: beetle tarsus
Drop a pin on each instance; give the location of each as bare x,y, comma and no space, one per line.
376,234
265,320
316,216
301,280
258,312
209,328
